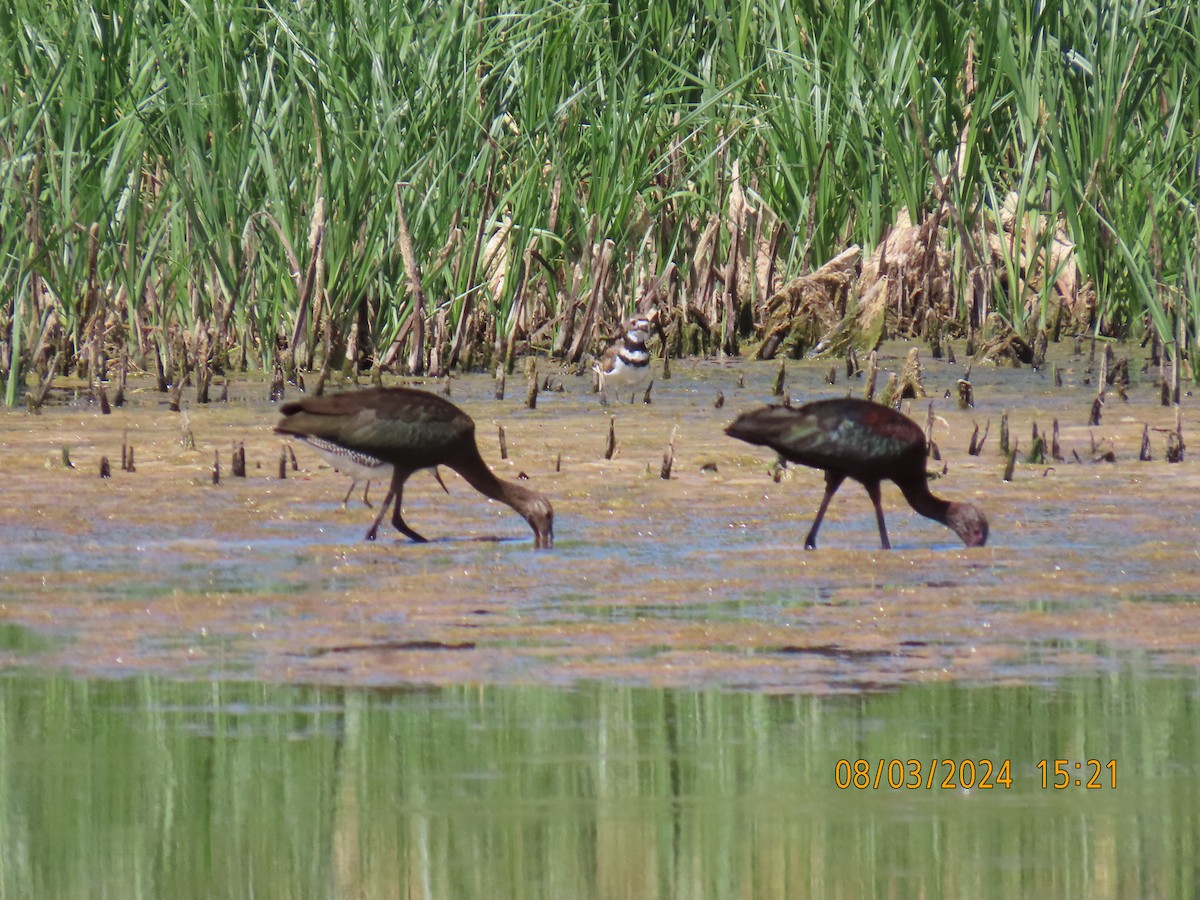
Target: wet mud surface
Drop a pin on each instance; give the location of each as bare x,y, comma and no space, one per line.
701,580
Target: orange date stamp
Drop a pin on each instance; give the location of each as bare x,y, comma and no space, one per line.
968,774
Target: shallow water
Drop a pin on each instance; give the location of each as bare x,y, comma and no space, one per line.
699,581
653,708
153,788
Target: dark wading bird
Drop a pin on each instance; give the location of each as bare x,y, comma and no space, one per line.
408,430
865,441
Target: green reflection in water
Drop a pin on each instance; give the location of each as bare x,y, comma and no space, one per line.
153,788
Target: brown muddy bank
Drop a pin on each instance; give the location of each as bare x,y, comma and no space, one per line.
701,580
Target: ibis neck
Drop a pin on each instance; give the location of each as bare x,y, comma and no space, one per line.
920,499
477,474
532,506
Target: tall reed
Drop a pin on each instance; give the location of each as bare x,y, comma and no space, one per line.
420,185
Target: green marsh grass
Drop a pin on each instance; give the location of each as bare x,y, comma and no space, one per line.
206,186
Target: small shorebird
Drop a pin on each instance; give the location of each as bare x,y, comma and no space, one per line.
407,430
852,438
357,466
625,366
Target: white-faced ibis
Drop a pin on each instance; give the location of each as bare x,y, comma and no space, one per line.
625,366
408,430
870,443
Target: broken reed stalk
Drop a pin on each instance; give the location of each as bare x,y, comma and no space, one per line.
216,472
105,468
122,374
1094,415
669,456
976,448
852,366
892,393
611,447
872,375
239,460
1175,445
500,382
531,394
1144,453
34,401
911,384
412,269
780,377
720,401
186,437
831,378
1177,365
503,442
1055,449
1037,451
1004,447
278,384
105,409
1174,449
283,462
1040,345
1012,462
931,448
180,380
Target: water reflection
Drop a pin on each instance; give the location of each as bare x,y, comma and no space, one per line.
153,788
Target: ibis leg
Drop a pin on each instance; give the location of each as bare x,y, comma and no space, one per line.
873,492
366,497
832,482
398,480
371,535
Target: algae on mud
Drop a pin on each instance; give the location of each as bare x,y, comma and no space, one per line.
696,580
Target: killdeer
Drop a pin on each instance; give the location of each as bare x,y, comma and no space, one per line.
625,366
408,430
